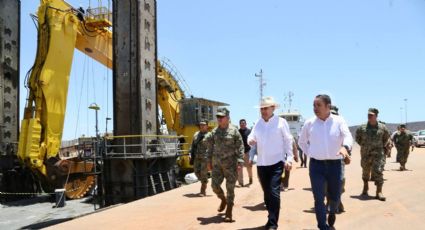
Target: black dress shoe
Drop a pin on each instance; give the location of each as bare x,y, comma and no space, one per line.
331,220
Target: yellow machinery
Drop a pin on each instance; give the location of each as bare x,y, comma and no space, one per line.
61,29
182,114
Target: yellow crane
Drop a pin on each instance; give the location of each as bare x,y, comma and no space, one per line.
61,30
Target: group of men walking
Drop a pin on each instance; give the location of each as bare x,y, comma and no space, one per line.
325,138
226,149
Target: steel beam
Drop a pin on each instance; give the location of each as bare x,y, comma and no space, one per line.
9,75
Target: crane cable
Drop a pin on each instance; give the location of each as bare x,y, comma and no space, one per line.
107,73
81,96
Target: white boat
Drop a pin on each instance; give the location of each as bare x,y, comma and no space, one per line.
295,121
293,117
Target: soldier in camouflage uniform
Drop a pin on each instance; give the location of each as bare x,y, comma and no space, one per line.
198,155
403,140
373,138
225,153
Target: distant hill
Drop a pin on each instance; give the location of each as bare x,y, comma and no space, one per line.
412,126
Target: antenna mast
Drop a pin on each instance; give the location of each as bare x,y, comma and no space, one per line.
262,83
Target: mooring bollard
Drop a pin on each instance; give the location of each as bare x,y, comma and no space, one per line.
60,197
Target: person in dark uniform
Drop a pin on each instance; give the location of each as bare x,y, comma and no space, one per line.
244,131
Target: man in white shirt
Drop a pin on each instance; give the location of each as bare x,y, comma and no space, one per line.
273,141
327,140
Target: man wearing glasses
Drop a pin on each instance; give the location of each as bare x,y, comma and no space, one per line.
225,155
273,141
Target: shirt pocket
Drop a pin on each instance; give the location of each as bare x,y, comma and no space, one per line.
228,141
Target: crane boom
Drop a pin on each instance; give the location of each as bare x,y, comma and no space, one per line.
61,29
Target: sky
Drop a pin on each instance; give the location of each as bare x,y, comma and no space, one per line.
362,53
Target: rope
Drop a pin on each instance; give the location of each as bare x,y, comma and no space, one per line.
81,96
87,101
93,80
24,193
107,73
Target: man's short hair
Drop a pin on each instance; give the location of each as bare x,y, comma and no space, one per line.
325,98
242,120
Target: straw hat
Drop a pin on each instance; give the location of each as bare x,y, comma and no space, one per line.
267,102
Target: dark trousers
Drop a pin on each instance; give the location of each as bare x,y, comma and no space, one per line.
325,173
303,158
270,182
285,179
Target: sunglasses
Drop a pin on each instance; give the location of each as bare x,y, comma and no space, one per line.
266,108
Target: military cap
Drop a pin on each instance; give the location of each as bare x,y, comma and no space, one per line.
223,112
402,126
373,111
203,122
334,110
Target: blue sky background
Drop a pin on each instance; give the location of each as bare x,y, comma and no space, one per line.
363,53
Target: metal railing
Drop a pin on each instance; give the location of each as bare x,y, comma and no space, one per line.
99,17
142,146
100,13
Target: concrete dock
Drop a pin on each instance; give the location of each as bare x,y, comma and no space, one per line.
183,209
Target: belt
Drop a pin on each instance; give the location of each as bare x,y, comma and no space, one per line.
326,161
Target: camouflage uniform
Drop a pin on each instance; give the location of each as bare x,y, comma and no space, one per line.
373,141
403,141
225,151
199,154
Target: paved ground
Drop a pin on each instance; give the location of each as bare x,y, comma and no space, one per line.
183,209
40,212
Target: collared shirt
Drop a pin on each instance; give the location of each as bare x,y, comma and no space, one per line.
322,140
274,141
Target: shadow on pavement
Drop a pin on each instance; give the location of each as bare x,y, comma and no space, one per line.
398,170
31,201
211,220
46,224
308,189
258,207
195,195
311,210
255,228
362,197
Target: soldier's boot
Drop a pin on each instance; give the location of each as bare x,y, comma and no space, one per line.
203,189
222,204
365,187
250,180
402,167
379,195
228,217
